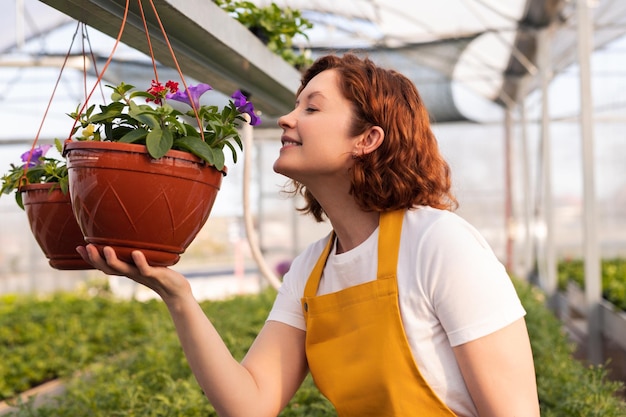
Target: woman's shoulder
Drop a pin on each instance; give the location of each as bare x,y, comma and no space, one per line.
305,261
424,223
425,218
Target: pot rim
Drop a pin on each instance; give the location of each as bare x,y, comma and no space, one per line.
39,186
133,148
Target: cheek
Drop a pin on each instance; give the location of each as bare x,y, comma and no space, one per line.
330,131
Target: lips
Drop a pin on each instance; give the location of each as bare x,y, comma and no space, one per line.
287,141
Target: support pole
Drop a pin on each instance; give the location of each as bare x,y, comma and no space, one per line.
508,198
528,256
266,272
593,285
549,277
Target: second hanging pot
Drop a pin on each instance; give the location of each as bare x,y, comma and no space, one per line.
53,225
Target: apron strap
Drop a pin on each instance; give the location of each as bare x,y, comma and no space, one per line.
312,284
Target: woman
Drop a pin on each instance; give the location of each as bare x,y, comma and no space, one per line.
403,310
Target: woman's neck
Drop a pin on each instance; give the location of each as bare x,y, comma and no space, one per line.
353,228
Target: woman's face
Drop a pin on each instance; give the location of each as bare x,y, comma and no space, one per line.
316,144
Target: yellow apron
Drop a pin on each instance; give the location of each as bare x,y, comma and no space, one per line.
356,347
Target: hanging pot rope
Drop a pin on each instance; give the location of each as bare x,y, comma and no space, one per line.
94,62
149,41
169,47
104,68
24,179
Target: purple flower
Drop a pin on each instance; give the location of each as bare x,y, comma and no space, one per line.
195,91
244,106
283,267
32,157
240,99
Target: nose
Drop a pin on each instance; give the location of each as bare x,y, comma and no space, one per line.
286,121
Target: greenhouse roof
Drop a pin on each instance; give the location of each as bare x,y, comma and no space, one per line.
467,57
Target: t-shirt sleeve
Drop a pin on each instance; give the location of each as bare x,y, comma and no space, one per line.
470,290
287,307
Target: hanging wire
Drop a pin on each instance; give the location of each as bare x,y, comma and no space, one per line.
169,46
24,178
110,58
93,60
145,28
106,65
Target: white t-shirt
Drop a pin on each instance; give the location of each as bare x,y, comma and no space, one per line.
452,289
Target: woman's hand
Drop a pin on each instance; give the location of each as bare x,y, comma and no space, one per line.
164,281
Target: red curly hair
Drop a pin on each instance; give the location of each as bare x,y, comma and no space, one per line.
407,169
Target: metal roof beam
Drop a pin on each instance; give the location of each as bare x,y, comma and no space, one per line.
210,46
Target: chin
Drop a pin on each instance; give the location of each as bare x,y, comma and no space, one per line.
279,168
284,169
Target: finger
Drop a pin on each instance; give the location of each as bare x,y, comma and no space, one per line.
141,263
121,267
83,253
99,262
93,256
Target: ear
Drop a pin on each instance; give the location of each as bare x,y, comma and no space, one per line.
369,141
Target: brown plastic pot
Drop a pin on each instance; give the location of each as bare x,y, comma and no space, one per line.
52,222
125,199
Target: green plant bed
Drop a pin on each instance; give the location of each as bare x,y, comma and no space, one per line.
567,388
148,375
44,339
613,273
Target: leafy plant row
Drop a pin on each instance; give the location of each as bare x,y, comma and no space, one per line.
46,338
567,388
132,363
613,273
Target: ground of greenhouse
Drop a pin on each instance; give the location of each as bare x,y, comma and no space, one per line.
40,395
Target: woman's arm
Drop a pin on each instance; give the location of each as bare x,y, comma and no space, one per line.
499,372
261,385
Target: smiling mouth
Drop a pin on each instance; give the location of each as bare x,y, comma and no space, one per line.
287,142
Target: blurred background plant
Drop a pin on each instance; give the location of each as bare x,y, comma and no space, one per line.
274,26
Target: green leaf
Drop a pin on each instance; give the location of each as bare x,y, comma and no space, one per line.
120,91
202,150
58,145
145,116
191,130
110,111
134,136
233,151
159,142
18,199
141,94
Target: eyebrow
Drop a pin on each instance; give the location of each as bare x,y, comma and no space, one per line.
311,95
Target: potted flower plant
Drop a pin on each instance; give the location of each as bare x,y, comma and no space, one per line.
274,26
40,185
145,175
